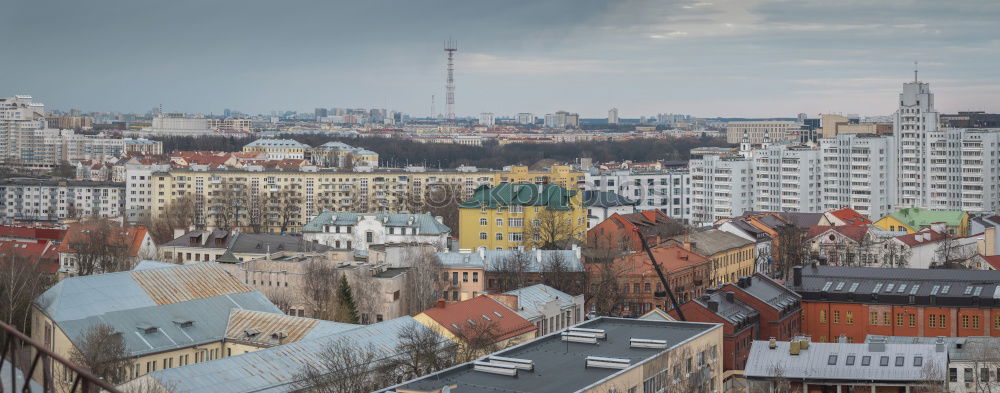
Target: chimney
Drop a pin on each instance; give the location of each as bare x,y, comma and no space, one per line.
713,306
749,281
876,344
797,276
939,344
772,343
441,303
842,339
482,253
730,297
687,242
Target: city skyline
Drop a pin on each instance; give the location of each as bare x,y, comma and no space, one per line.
755,59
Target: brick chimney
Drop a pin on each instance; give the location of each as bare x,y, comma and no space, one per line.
441,303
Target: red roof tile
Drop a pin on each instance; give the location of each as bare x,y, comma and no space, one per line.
132,236
911,239
993,260
851,217
16,232
853,232
455,316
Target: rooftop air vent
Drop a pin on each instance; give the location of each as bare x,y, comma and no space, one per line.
520,364
599,333
499,369
647,343
600,362
579,338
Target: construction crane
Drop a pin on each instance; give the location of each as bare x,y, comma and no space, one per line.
659,272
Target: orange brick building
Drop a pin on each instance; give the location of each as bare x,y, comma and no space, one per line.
857,301
686,271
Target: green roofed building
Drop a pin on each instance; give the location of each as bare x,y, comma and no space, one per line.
512,215
914,219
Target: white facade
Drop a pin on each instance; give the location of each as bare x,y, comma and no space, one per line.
759,132
24,199
613,116
720,188
787,179
667,191
525,118
487,119
139,190
361,231
19,117
859,171
916,117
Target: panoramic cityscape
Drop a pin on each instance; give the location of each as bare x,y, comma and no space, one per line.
555,196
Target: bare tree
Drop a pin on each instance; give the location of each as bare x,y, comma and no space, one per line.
422,351
985,358
510,271
147,384
229,204
179,214
103,351
477,339
778,383
367,295
257,213
934,380
22,280
603,287
442,200
894,254
558,272
423,284
790,248
284,209
102,246
952,254
551,230
320,283
344,367
282,298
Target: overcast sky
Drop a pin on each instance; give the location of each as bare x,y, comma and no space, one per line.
705,58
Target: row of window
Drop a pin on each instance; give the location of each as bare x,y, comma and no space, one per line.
939,321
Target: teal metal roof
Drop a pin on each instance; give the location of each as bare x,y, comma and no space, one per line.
552,196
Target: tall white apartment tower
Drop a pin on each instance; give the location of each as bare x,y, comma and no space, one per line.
914,120
720,188
787,179
613,116
19,119
487,119
859,171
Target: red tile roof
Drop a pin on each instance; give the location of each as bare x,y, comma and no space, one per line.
851,217
42,251
993,260
911,239
853,232
133,236
455,316
671,256
16,232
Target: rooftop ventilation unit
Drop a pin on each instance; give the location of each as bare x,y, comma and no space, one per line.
615,363
647,343
520,364
579,338
493,368
599,333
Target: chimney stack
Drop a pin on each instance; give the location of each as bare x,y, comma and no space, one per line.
797,276
713,306
939,344
730,297
441,303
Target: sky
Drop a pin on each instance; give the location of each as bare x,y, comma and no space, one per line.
751,58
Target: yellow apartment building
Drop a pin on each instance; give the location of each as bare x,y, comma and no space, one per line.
512,215
732,256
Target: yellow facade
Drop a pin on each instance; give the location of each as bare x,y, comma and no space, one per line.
298,151
557,174
427,321
335,190
890,223
730,265
510,227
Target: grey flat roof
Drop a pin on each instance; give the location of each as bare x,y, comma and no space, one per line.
559,366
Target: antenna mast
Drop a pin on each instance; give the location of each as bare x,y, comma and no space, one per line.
914,71
450,47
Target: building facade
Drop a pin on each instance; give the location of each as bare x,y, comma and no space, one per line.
510,216
760,132
360,231
29,199
665,190
787,179
720,188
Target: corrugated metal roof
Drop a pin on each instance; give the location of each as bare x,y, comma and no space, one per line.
187,282
275,369
425,223
815,362
971,348
260,327
531,299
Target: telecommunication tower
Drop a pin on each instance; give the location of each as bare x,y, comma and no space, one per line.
450,47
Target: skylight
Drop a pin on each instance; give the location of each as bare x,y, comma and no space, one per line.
902,288
878,287
826,287
913,289
840,286
944,290
934,290
888,288
854,287
866,360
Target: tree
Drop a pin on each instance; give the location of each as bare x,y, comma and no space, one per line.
319,287
777,383
934,380
422,351
102,246
551,230
281,298
284,208
343,367
442,200
603,287
348,309
229,204
103,351
557,272
367,295
423,284
22,280
179,214
790,248
894,254
952,254
478,339
510,271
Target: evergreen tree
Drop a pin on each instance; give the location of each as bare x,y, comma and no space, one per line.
348,310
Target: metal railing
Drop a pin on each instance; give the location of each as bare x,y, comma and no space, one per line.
18,346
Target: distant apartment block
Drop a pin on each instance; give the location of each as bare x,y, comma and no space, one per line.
665,190
760,132
720,188
29,199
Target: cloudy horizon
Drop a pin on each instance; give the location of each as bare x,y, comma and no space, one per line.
758,58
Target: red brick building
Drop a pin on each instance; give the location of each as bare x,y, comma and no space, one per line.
619,233
686,271
739,321
857,301
780,308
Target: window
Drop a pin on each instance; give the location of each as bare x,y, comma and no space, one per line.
850,360
499,222
850,317
465,276
886,318
475,278
482,222
832,361
873,318
918,361
836,316
942,322
866,360
932,321
952,375
984,374
913,320
883,361
975,322
369,237
499,236
822,316
899,319
899,361
482,235
965,322
967,374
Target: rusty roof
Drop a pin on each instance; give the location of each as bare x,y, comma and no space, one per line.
167,286
268,329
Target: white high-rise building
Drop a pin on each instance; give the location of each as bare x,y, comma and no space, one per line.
859,171
524,118
664,190
787,178
487,119
19,118
720,188
613,116
914,120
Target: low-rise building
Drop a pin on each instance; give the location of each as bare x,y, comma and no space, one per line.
94,247
666,190
204,246
739,321
972,361
468,274
602,204
732,256
601,355
914,219
687,272
478,322
547,308
801,365
278,149
620,232
509,216
780,308
359,231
